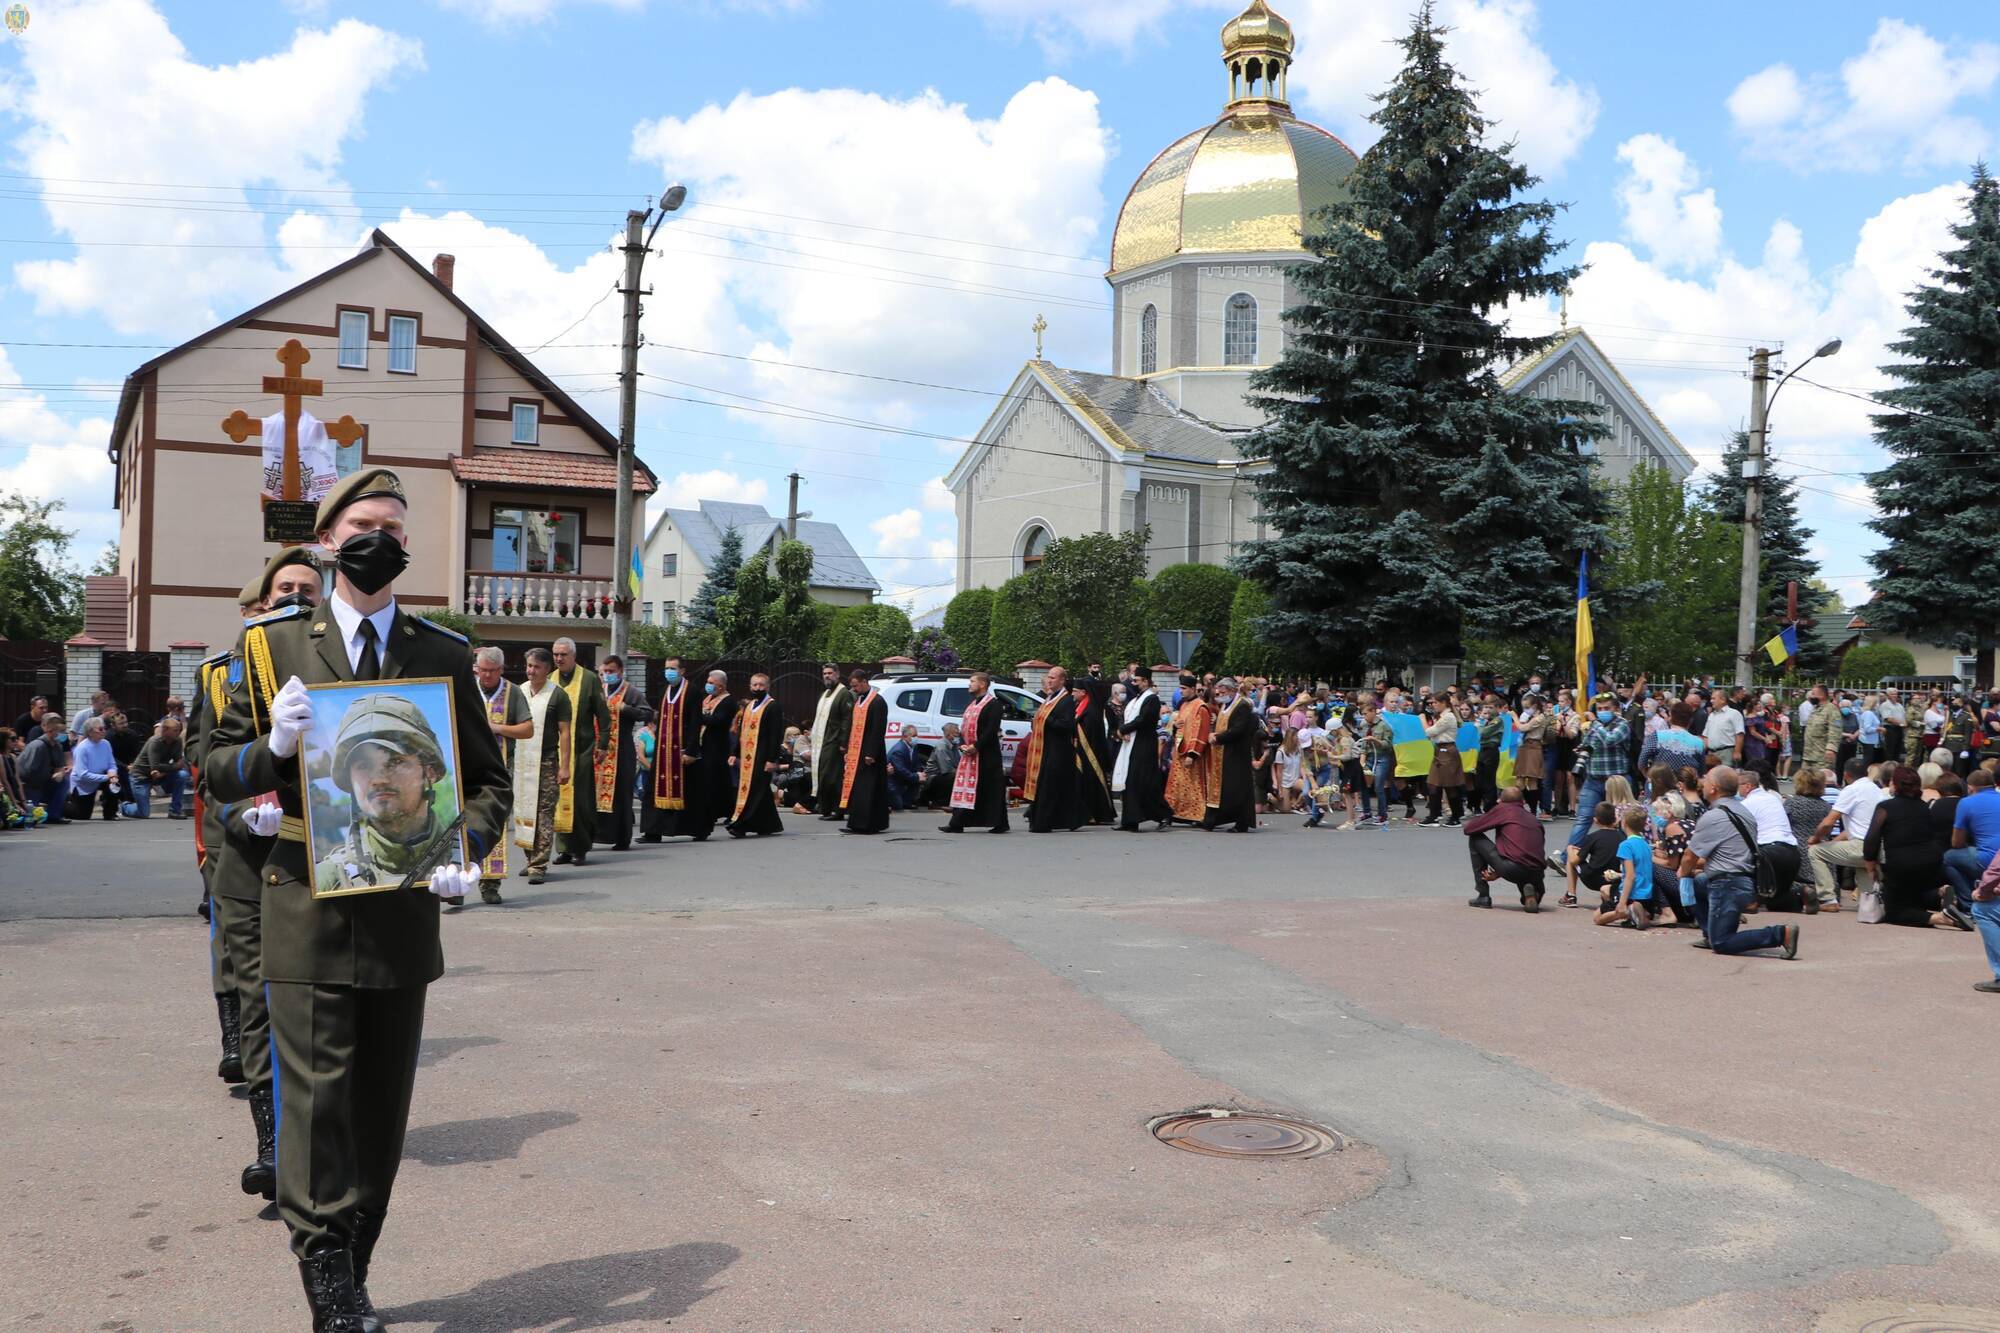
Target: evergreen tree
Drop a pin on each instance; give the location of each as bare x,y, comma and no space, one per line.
1415,502
1786,557
720,582
1940,496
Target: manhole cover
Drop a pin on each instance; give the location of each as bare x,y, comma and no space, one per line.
1897,1317
1223,1133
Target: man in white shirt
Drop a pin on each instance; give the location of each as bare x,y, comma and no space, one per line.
1777,845
1854,808
1724,734
1894,718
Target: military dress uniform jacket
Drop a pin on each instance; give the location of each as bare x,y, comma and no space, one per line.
376,940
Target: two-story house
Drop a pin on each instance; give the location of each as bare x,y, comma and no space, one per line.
511,482
683,544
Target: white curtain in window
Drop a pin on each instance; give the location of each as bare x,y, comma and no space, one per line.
402,344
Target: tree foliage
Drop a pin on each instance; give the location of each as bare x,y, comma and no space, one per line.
1664,601
1016,633
1939,496
1082,595
456,621
41,595
1248,654
931,648
1872,661
678,640
1785,548
719,582
770,612
1414,502
867,633
1197,597
968,625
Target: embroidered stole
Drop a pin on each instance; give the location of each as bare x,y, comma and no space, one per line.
750,724
669,753
528,759
965,783
856,729
1034,778
1215,755
566,803
605,770
495,864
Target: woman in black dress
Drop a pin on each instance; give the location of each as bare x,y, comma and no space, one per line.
1903,850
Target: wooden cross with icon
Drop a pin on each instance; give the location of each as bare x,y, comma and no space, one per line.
293,389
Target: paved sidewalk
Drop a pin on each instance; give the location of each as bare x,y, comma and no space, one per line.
834,1083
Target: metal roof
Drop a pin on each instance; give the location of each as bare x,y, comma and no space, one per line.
835,563
1140,417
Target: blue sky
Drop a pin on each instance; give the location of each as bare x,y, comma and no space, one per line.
896,191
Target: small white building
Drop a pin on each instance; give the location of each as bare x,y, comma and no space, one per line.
682,546
1200,276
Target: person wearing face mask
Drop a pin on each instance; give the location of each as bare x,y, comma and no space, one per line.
541,764
346,977
711,778
1604,745
677,749
1232,761
588,789
618,766
760,736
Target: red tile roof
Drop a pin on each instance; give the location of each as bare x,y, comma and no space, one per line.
546,471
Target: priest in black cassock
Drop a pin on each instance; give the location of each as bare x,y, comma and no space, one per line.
864,777
675,800
1232,781
626,704
1138,770
1093,747
1055,800
979,790
711,786
760,742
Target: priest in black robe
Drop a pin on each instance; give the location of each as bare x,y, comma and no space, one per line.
676,760
979,749
711,785
1139,759
1055,798
1093,747
760,743
864,778
1233,745
626,704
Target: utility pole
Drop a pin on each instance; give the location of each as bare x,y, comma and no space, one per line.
792,513
628,422
1753,514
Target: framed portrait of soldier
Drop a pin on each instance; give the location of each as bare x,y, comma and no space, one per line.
380,772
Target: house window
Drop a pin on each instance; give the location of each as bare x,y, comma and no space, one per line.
670,613
403,344
1239,331
353,340
646,612
527,423
1149,340
670,564
536,541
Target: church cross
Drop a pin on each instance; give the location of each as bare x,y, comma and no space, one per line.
1040,327
292,389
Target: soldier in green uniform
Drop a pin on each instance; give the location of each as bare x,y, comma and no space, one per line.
347,976
385,757
208,852
244,832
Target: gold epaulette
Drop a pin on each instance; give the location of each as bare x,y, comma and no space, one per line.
292,829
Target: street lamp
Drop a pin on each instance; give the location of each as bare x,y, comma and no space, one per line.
622,574
1753,496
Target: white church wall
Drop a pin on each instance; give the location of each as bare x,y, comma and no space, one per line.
1216,283
1043,469
1131,299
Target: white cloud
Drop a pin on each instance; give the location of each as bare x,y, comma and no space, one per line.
45,455
1662,209
513,13
1894,103
685,490
938,496
1347,53
109,93
900,533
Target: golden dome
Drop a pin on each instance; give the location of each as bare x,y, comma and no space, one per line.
1247,183
1257,27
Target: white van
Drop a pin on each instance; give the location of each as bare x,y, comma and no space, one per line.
931,700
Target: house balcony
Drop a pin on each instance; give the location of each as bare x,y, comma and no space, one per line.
512,598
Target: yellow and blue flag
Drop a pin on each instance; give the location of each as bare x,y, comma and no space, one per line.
1586,642
1414,750
1784,646
633,576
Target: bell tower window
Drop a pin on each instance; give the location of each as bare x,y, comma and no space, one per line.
1149,340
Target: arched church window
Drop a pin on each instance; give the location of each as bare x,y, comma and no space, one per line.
1033,547
1239,331
1149,340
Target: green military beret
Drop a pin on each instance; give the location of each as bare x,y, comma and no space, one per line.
260,587
366,484
394,724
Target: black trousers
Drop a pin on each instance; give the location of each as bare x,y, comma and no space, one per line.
1485,856
346,1062
1485,785
1457,795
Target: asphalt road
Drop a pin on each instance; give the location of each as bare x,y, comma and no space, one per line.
820,1081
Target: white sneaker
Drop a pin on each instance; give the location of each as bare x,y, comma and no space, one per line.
1342,828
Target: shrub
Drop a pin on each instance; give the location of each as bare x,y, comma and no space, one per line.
968,625
1016,633
1872,661
1199,597
867,633
932,650
1248,654
456,621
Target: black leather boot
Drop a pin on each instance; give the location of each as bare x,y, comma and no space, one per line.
261,1176
367,1230
329,1283
229,1008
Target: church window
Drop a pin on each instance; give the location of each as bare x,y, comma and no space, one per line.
1033,547
1239,331
1149,340
353,340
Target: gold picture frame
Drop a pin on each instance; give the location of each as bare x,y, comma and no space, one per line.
405,732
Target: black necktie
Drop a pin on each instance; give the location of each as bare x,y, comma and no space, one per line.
370,665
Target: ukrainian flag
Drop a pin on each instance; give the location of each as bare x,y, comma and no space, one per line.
634,575
1586,642
1785,646
1414,750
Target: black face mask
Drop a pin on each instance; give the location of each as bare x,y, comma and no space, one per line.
757,696
301,598
371,560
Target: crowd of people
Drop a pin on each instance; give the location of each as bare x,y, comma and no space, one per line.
54,769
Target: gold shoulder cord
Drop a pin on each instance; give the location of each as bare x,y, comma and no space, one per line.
257,649
216,682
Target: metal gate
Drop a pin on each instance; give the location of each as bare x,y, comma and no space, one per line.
29,667
139,684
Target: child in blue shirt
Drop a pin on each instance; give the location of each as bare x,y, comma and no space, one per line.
1636,904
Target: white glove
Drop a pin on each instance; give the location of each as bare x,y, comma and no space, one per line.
262,820
291,714
453,881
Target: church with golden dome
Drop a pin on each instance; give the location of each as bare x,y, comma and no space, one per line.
1199,284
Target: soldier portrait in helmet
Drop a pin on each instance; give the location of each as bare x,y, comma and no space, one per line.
380,764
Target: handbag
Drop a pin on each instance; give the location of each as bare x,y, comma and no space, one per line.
1872,908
